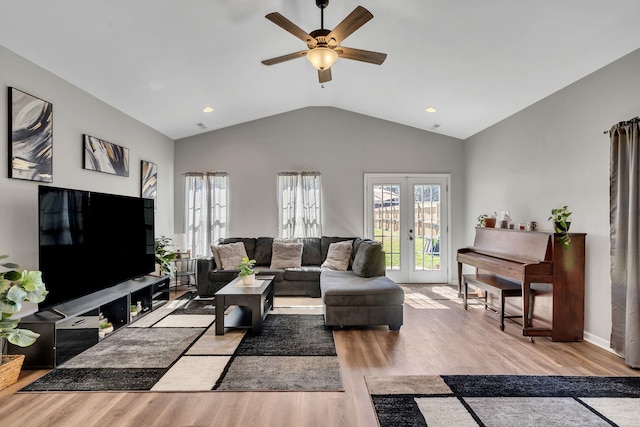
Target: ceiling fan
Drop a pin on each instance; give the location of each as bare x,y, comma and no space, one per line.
323,45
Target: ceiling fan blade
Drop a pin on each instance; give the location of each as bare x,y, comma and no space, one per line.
324,75
284,58
289,26
361,55
352,22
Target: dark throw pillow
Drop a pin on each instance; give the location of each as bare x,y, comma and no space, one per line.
369,260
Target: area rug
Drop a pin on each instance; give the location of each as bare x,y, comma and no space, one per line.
294,352
290,335
505,400
198,306
185,358
137,348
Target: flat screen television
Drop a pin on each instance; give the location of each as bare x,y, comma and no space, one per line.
90,241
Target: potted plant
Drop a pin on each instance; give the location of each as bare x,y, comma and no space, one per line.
486,221
105,327
561,218
165,255
15,288
247,273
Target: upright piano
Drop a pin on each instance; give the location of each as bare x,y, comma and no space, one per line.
551,275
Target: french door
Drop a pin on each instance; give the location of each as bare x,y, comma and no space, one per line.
408,214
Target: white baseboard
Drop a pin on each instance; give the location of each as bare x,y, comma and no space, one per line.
596,340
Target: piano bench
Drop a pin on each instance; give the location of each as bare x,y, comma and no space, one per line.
490,283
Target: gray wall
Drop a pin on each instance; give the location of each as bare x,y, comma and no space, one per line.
74,113
341,145
554,153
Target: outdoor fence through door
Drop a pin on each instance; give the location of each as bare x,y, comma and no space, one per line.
407,214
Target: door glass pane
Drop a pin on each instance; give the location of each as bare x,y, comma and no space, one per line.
426,227
386,222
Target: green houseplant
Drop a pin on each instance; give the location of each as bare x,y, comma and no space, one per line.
247,273
15,288
561,218
486,221
165,255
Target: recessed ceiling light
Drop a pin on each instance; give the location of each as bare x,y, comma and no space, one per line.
207,109
430,110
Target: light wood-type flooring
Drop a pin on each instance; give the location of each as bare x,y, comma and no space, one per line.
438,337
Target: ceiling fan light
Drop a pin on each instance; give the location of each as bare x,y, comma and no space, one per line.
322,58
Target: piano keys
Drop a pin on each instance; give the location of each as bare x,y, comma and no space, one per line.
551,275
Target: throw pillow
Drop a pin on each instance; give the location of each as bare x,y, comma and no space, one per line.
231,255
369,260
339,255
216,256
283,240
286,255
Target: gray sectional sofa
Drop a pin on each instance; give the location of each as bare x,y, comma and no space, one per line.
362,295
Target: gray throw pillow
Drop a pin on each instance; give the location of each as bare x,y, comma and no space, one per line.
286,255
231,255
339,255
369,260
216,256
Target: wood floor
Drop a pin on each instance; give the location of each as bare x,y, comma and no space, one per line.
438,337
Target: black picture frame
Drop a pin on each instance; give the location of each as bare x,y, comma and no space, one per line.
105,156
30,137
148,180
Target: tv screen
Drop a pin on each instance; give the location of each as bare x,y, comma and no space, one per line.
90,241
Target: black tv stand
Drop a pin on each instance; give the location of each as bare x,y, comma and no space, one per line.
55,310
68,329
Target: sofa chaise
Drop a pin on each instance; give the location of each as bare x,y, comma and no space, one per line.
355,290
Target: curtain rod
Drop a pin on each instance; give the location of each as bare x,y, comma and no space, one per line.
630,120
205,173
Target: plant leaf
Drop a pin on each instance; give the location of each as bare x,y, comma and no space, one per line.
8,324
31,280
20,337
16,294
12,275
7,307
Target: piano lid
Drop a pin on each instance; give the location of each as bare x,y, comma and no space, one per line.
522,244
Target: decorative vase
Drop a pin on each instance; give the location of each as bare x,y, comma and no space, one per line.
249,279
560,228
489,222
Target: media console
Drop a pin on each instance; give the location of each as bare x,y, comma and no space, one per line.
72,327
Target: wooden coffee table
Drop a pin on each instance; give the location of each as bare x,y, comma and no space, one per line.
253,304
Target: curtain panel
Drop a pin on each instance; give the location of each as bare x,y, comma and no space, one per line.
625,240
206,210
299,204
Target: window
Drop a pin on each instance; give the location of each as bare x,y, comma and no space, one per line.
206,208
299,204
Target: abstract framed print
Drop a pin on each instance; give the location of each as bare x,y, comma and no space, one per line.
30,137
104,156
149,180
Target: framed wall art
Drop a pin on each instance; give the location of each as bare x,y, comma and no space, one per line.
30,137
104,156
149,180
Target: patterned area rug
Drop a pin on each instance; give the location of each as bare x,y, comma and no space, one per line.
175,348
294,352
505,400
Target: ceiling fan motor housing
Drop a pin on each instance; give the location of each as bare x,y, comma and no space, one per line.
321,38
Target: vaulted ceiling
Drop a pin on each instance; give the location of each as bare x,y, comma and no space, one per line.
476,61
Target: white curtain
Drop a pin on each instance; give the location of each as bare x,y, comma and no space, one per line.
299,204
206,211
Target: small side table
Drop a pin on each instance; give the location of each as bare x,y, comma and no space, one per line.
184,267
